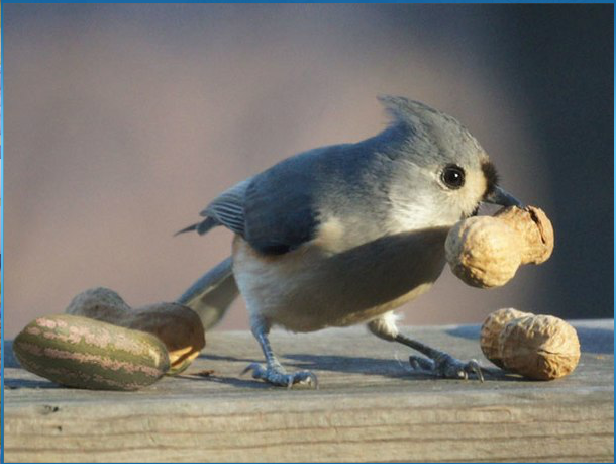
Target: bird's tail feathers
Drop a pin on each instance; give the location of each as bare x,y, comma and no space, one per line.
211,296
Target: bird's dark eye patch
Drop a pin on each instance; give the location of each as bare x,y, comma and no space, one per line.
453,176
489,171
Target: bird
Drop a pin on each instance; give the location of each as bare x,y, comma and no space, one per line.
345,234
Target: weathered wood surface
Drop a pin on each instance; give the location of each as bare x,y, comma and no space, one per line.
369,408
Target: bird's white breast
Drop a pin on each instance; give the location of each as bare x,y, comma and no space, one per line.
311,288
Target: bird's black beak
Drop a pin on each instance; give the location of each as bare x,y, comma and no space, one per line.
498,196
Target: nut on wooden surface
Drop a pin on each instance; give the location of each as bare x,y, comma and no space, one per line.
491,329
178,326
539,346
97,300
483,251
83,352
535,229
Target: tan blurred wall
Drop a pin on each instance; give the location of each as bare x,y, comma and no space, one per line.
123,121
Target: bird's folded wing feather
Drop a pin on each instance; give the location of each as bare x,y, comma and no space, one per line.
280,214
272,211
228,208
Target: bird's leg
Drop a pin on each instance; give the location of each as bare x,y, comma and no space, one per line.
274,373
435,362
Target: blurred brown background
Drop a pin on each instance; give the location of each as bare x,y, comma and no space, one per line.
124,121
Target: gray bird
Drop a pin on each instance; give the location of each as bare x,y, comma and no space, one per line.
344,234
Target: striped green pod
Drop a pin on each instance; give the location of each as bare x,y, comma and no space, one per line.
85,353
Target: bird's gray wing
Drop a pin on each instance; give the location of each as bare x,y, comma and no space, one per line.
278,210
279,207
273,211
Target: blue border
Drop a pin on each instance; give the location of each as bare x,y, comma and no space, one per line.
317,1
2,290
2,236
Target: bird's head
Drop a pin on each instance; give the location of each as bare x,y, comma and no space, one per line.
442,173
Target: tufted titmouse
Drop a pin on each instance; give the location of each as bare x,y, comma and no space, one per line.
344,234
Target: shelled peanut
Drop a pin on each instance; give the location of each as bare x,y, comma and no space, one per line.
486,251
539,346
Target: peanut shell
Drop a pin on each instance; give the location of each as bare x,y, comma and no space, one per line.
491,329
483,251
98,300
178,326
539,347
536,230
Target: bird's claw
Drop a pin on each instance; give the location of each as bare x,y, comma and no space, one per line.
277,376
447,367
473,367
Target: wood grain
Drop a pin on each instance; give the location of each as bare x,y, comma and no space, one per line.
369,408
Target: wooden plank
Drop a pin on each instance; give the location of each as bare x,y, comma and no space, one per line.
369,408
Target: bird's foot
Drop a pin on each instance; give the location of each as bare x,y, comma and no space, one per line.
277,376
447,367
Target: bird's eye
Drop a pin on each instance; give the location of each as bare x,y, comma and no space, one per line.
453,176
